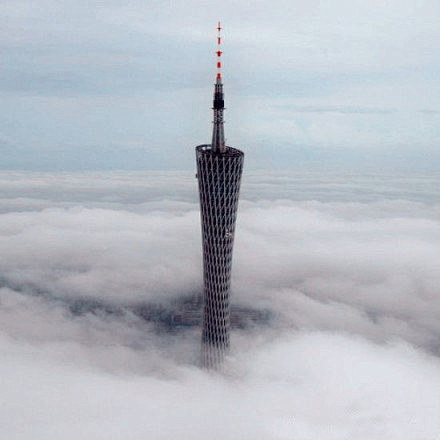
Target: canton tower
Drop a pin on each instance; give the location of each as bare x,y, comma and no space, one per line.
219,169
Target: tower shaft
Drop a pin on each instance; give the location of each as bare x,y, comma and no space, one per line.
219,176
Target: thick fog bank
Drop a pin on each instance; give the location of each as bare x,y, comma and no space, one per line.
348,268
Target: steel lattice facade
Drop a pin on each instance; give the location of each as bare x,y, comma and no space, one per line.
219,176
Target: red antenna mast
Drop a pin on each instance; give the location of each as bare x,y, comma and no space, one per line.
219,52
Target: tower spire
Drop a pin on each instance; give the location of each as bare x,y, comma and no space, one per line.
219,52
218,135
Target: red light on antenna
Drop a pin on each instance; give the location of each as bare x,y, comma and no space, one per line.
219,53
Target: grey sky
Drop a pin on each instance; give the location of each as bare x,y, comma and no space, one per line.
308,83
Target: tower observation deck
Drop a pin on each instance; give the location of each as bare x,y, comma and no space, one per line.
219,170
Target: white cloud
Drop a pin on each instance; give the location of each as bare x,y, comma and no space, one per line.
346,266
301,386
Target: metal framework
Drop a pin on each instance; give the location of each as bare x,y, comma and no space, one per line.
219,170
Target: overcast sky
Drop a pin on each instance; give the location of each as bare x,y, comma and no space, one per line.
128,84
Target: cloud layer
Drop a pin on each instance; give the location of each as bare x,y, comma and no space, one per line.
347,267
